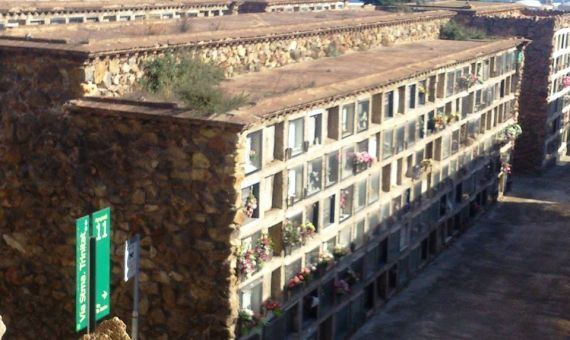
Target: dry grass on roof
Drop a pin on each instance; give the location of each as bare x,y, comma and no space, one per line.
149,33
296,85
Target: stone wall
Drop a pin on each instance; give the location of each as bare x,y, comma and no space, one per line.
113,75
160,176
29,83
529,151
56,77
166,179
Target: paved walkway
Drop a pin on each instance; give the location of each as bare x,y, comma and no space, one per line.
508,277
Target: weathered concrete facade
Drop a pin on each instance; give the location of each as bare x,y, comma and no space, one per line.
388,220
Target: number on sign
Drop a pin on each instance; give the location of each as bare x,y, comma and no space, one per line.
101,230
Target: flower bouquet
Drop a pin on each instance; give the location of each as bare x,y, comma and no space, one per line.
343,198
471,79
506,168
247,263
362,160
512,131
292,235
439,122
341,287
421,89
307,272
339,251
324,262
272,308
250,205
307,230
453,117
264,248
325,259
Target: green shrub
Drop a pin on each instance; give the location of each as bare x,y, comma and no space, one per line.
191,81
332,50
455,31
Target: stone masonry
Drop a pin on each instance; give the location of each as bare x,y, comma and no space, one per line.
534,89
174,190
113,75
114,72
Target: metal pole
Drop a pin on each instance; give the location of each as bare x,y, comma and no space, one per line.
135,319
92,310
89,278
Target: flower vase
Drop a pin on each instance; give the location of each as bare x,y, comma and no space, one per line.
359,167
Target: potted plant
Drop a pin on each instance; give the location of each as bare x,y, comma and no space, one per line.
249,321
272,309
324,262
339,251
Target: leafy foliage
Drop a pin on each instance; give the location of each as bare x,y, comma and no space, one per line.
190,81
455,31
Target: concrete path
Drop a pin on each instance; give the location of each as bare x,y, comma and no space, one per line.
507,277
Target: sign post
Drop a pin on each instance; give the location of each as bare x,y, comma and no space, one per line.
93,269
82,273
101,231
132,255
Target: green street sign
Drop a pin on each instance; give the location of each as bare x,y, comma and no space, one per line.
82,277
101,231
